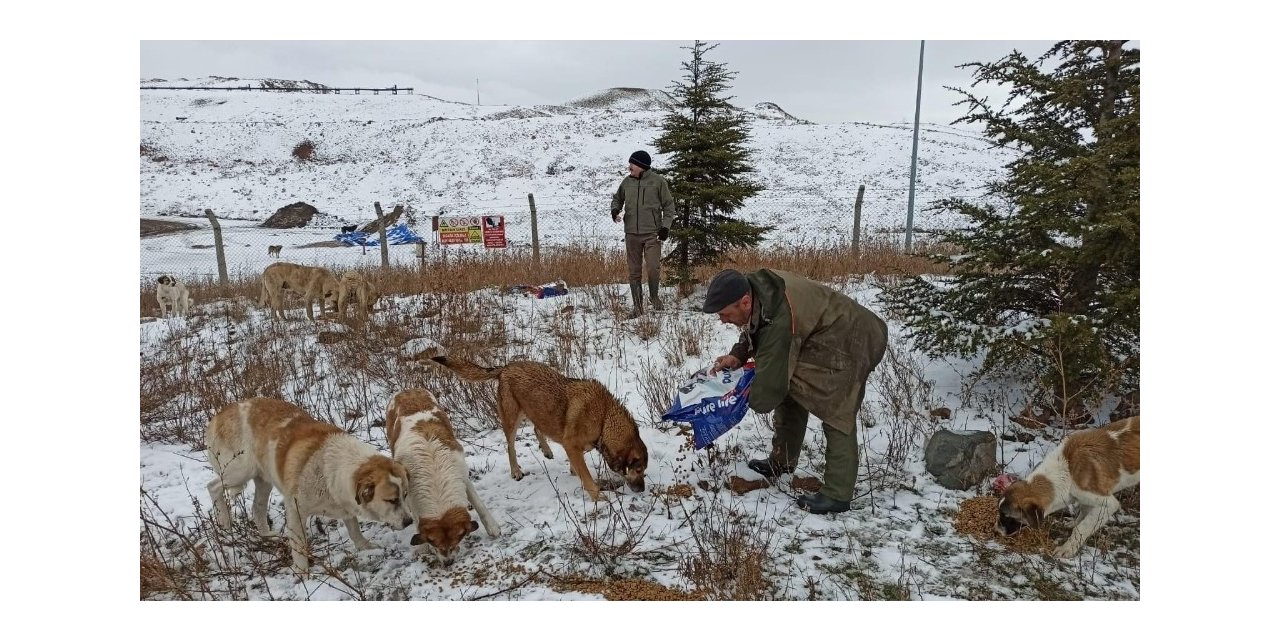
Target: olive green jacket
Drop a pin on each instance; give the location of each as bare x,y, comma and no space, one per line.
649,205
810,342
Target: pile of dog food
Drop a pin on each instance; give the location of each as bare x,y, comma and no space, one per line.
977,519
805,483
628,589
742,485
679,491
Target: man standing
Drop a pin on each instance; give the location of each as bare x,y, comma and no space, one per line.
647,221
814,348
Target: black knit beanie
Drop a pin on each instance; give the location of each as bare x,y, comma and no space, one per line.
640,159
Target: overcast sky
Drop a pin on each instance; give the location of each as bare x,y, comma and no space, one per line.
823,81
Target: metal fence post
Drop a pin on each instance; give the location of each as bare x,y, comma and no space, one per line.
217,245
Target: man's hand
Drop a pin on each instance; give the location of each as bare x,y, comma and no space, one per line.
615,215
663,233
726,362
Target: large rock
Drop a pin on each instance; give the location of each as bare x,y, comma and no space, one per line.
960,460
291,216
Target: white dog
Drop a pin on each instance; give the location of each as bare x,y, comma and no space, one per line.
422,439
1087,469
318,468
172,295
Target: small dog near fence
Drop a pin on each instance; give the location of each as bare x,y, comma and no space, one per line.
349,229
273,251
173,296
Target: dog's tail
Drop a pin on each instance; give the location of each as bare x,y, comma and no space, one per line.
469,370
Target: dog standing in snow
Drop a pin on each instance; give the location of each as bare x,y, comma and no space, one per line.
172,295
1087,469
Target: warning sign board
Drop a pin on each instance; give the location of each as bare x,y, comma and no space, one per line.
495,232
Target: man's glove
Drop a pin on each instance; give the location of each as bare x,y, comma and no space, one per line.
663,233
614,215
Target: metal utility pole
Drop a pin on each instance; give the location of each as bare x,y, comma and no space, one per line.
915,144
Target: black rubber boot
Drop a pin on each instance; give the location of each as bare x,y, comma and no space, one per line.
768,469
819,503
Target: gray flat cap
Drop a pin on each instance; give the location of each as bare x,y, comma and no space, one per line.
726,288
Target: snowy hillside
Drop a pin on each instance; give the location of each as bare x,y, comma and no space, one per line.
230,151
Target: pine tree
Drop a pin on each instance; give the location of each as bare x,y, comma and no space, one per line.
1048,286
706,137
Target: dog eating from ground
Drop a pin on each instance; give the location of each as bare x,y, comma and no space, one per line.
1087,470
318,468
354,286
349,229
581,415
422,440
273,251
315,284
173,296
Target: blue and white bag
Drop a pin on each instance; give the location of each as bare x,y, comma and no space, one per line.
712,403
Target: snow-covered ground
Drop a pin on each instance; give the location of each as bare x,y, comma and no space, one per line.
898,541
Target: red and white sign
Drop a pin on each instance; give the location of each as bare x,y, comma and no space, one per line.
495,232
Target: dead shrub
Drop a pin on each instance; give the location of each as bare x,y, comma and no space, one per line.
304,150
731,554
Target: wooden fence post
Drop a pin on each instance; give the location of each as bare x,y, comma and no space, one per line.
533,222
217,245
382,235
857,222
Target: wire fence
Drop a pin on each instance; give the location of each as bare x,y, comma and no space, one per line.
814,217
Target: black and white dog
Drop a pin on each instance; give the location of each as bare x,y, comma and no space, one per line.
172,295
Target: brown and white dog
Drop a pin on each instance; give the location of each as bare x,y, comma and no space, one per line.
173,296
422,440
318,468
1087,469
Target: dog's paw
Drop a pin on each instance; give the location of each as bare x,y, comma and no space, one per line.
1065,551
517,474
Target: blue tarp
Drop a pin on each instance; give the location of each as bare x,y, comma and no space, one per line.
398,234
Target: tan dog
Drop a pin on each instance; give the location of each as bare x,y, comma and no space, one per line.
354,286
173,296
315,284
581,415
1087,469
422,440
318,468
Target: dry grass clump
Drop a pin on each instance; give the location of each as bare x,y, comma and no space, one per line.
977,519
622,589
